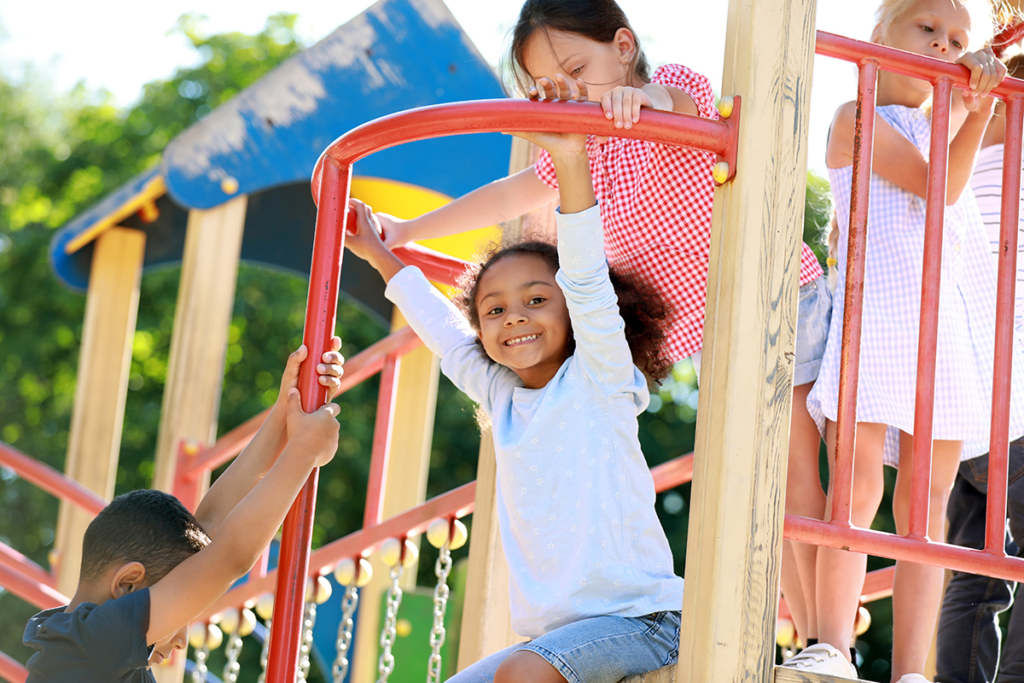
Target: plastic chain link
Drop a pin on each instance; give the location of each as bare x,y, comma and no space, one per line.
306,649
263,654
232,651
349,602
442,568
202,655
386,663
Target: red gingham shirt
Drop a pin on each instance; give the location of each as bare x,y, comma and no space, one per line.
656,209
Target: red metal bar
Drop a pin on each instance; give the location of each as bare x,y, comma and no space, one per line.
436,266
31,591
853,304
188,485
12,670
673,473
374,511
363,365
321,314
454,504
995,523
18,562
50,480
906,63
495,116
928,330
884,544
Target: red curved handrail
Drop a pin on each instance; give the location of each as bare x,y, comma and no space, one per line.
906,63
544,116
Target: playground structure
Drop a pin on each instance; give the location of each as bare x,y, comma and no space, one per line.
730,608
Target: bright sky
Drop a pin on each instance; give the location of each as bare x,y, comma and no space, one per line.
122,44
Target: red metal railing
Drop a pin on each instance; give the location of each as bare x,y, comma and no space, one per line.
838,532
331,181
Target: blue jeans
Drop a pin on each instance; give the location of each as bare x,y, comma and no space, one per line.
968,648
596,650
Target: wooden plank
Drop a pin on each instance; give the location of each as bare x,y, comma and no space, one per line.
486,619
785,675
404,487
732,568
101,387
195,369
665,674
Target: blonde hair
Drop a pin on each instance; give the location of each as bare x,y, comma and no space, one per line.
983,19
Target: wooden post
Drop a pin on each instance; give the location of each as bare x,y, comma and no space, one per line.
732,561
486,620
195,369
101,387
405,487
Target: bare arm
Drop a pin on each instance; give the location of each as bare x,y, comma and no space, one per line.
194,584
494,203
897,159
253,463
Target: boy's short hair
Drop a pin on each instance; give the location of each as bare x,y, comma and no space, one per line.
150,527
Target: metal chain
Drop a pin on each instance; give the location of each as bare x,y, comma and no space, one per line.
386,663
199,671
349,602
232,651
264,653
442,568
306,648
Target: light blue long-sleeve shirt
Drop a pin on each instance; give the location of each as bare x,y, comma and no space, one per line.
575,496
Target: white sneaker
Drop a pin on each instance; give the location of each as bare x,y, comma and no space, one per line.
822,659
913,678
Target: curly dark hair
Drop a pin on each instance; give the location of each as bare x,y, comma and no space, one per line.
597,20
642,308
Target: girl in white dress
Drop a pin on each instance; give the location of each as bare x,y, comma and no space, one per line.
943,29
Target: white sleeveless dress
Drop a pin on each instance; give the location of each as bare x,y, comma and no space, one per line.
892,310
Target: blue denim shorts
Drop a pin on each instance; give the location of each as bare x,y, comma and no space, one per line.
814,313
813,317
596,650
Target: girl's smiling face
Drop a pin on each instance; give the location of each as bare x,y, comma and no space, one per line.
524,321
602,66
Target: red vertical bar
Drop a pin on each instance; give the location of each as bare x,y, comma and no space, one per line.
374,512
995,523
846,427
924,405
321,312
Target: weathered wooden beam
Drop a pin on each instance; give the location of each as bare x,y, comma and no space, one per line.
195,369
732,568
101,386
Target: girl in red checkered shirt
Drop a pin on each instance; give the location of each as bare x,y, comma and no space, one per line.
655,206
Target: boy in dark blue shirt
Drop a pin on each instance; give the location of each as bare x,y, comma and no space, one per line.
149,566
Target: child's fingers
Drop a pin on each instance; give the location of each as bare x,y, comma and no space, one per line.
336,343
581,86
565,91
333,357
331,409
333,385
547,86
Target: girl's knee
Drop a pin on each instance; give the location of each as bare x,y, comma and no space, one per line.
524,666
